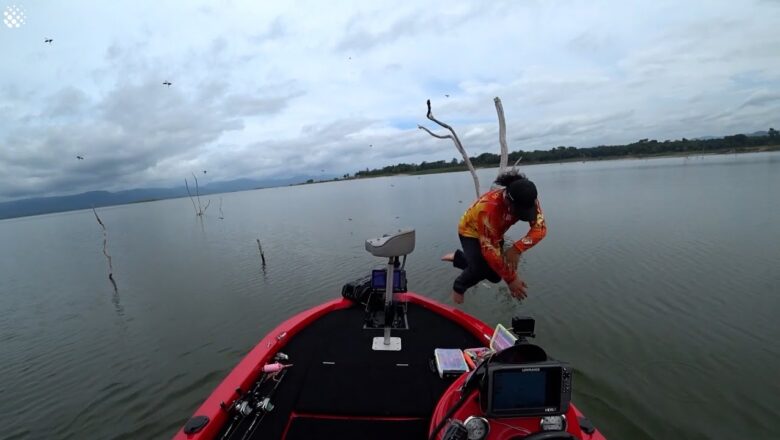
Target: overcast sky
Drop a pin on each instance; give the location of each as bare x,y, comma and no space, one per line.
267,89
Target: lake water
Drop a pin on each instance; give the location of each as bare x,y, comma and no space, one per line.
658,281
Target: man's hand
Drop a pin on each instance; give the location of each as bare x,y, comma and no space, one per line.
512,257
517,288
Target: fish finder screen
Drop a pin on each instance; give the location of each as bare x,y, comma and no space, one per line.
513,389
379,279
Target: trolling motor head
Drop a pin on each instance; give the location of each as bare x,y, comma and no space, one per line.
394,245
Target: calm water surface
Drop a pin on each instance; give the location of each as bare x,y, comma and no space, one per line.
658,281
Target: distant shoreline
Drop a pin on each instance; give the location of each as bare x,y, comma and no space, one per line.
460,168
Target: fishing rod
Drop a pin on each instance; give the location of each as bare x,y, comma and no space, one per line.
239,408
264,405
252,401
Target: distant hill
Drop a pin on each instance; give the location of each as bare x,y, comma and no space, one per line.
754,134
45,205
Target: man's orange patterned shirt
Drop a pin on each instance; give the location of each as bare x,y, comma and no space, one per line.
488,219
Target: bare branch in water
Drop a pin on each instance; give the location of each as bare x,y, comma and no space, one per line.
199,209
517,162
197,194
456,140
191,199
262,255
221,215
105,249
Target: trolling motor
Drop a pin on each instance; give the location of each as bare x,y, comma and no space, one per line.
391,247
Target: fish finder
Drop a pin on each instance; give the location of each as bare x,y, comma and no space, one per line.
522,382
379,280
527,390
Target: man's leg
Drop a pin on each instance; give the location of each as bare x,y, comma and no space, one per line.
493,277
457,258
463,282
472,255
475,268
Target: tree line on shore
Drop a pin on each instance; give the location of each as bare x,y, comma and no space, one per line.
642,147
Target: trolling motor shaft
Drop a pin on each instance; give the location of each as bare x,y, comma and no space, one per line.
391,247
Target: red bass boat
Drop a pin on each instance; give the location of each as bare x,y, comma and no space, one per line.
372,365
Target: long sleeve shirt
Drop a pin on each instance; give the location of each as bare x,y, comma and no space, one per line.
488,219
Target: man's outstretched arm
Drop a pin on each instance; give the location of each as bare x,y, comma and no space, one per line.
491,249
537,232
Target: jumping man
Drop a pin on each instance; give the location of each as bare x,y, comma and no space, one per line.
481,231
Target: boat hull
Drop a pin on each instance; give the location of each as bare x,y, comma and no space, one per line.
310,415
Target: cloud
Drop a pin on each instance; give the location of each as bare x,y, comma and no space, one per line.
761,98
67,102
360,37
275,31
252,105
123,136
278,89
368,30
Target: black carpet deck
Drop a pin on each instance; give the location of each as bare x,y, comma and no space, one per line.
335,373
308,429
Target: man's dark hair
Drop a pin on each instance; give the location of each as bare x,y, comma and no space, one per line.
521,193
505,179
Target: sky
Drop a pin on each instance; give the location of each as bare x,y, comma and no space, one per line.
266,90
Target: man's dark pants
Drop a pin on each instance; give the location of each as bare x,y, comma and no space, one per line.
475,268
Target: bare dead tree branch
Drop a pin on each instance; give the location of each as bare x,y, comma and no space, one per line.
199,209
501,136
221,215
191,199
517,162
197,194
105,249
434,134
456,140
262,255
